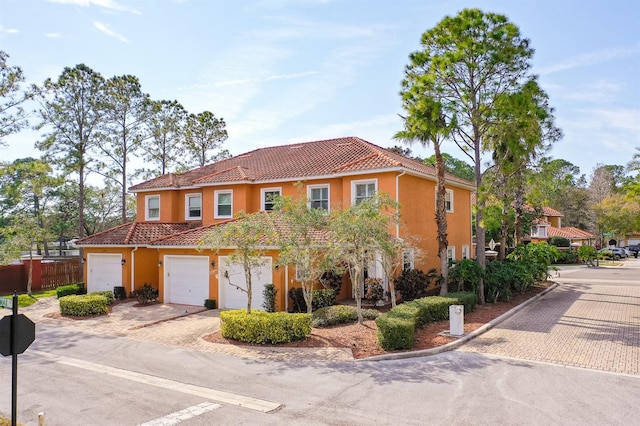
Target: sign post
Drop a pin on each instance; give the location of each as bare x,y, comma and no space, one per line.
17,332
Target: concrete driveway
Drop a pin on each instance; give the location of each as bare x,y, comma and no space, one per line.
591,320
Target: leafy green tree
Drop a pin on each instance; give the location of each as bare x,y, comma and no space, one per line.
25,186
12,115
204,135
618,214
357,234
102,208
425,122
300,233
632,186
63,213
452,165
405,151
166,125
22,235
71,109
248,236
124,108
470,60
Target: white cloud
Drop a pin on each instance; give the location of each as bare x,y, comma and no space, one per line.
53,35
109,32
591,58
4,30
106,4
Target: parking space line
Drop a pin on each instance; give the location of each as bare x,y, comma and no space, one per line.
215,395
182,415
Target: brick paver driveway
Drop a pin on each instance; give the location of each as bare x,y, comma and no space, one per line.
591,320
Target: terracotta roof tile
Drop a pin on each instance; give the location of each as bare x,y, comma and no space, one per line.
136,233
570,233
295,162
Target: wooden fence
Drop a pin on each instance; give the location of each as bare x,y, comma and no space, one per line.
48,274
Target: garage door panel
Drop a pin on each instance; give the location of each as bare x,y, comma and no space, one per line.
105,271
231,276
186,280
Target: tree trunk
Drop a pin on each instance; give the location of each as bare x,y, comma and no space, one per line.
441,219
504,227
480,204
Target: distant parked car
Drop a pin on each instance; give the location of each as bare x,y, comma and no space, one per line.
615,253
634,249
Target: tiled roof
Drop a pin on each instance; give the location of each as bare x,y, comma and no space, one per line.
193,237
570,233
136,233
296,162
548,211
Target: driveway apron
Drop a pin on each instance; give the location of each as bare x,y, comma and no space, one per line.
591,320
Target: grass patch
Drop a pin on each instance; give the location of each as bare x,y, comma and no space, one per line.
25,300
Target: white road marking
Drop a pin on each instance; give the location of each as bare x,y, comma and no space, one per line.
220,396
182,415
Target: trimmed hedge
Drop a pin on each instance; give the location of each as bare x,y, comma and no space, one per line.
82,305
340,314
66,290
108,294
396,328
264,327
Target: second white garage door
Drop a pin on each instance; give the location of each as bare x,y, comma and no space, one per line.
186,279
230,296
105,271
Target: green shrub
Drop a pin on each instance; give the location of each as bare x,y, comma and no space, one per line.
146,294
264,327
269,297
82,305
210,303
497,281
413,283
340,314
108,294
433,308
320,299
66,290
394,332
464,275
466,298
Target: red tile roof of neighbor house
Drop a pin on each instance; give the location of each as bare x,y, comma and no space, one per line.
136,233
570,233
349,155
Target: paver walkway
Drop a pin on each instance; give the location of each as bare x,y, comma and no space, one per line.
591,320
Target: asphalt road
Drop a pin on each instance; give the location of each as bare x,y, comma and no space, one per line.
78,378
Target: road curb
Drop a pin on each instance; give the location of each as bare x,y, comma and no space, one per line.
461,341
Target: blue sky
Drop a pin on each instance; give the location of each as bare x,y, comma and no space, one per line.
286,71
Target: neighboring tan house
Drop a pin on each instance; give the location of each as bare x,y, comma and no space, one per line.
175,210
550,225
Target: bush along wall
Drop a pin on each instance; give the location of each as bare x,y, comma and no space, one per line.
264,327
396,328
83,305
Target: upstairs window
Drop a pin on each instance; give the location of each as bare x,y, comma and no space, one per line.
362,190
268,196
152,211
224,204
448,200
194,206
318,197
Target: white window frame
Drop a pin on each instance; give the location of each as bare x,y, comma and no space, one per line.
465,251
187,207
355,183
147,199
263,193
448,192
216,214
410,254
451,254
310,189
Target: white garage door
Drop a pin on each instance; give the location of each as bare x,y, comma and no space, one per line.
105,271
232,275
186,279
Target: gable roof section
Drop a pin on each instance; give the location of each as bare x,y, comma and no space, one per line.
570,233
136,233
297,162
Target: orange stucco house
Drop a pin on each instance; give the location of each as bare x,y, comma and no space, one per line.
175,210
550,225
